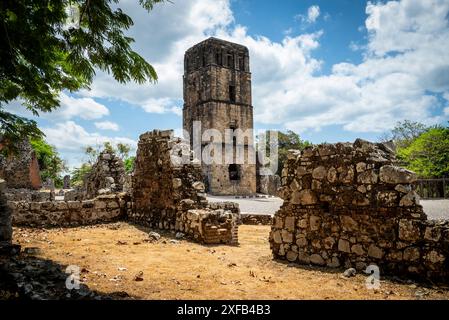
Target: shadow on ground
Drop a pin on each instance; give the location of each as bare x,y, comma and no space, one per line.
26,277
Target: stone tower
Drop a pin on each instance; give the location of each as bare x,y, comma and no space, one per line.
217,93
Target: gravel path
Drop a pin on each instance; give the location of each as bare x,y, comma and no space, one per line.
435,209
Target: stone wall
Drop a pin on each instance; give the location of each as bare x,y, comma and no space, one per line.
21,170
348,205
5,219
107,175
169,194
29,195
104,208
268,184
256,219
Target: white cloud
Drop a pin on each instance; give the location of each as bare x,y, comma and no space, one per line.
405,58
313,12
70,108
107,125
69,136
85,108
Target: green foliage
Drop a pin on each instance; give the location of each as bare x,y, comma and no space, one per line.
46,49
78,174
12,128
129,164
287,141
50,163
428,153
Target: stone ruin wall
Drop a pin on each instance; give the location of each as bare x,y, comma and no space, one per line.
107,175
268,184
159,194
104,208
170,195
22,169
348,205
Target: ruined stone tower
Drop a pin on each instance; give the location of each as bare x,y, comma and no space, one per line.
217,93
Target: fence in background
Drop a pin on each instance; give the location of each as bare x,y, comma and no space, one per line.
433,188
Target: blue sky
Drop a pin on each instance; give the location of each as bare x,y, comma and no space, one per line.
329,70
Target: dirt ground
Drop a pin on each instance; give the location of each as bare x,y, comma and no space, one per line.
111,255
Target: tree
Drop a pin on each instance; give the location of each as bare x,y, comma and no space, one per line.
123,150
50,163
78,174
129,164
404,133
428,154
50,46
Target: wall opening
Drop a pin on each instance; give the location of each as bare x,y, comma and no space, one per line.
232,93
234,172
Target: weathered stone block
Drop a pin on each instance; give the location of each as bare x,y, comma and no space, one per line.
396,175
344,246
411,254
375,252
409,230
304,197
317,259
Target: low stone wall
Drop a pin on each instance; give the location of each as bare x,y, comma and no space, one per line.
256,219
209,226
348,205
29,195
169,193
105,208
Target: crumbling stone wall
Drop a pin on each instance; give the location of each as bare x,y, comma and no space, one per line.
107,175
349,205
21,170
5,219
169,194
104,208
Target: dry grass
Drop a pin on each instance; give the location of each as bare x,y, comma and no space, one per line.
186,270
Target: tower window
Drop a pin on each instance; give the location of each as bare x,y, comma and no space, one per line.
234,172
230,59
232,93
218,58
241,63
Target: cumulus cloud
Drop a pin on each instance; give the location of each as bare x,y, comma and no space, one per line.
405,62
107,125
84,108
